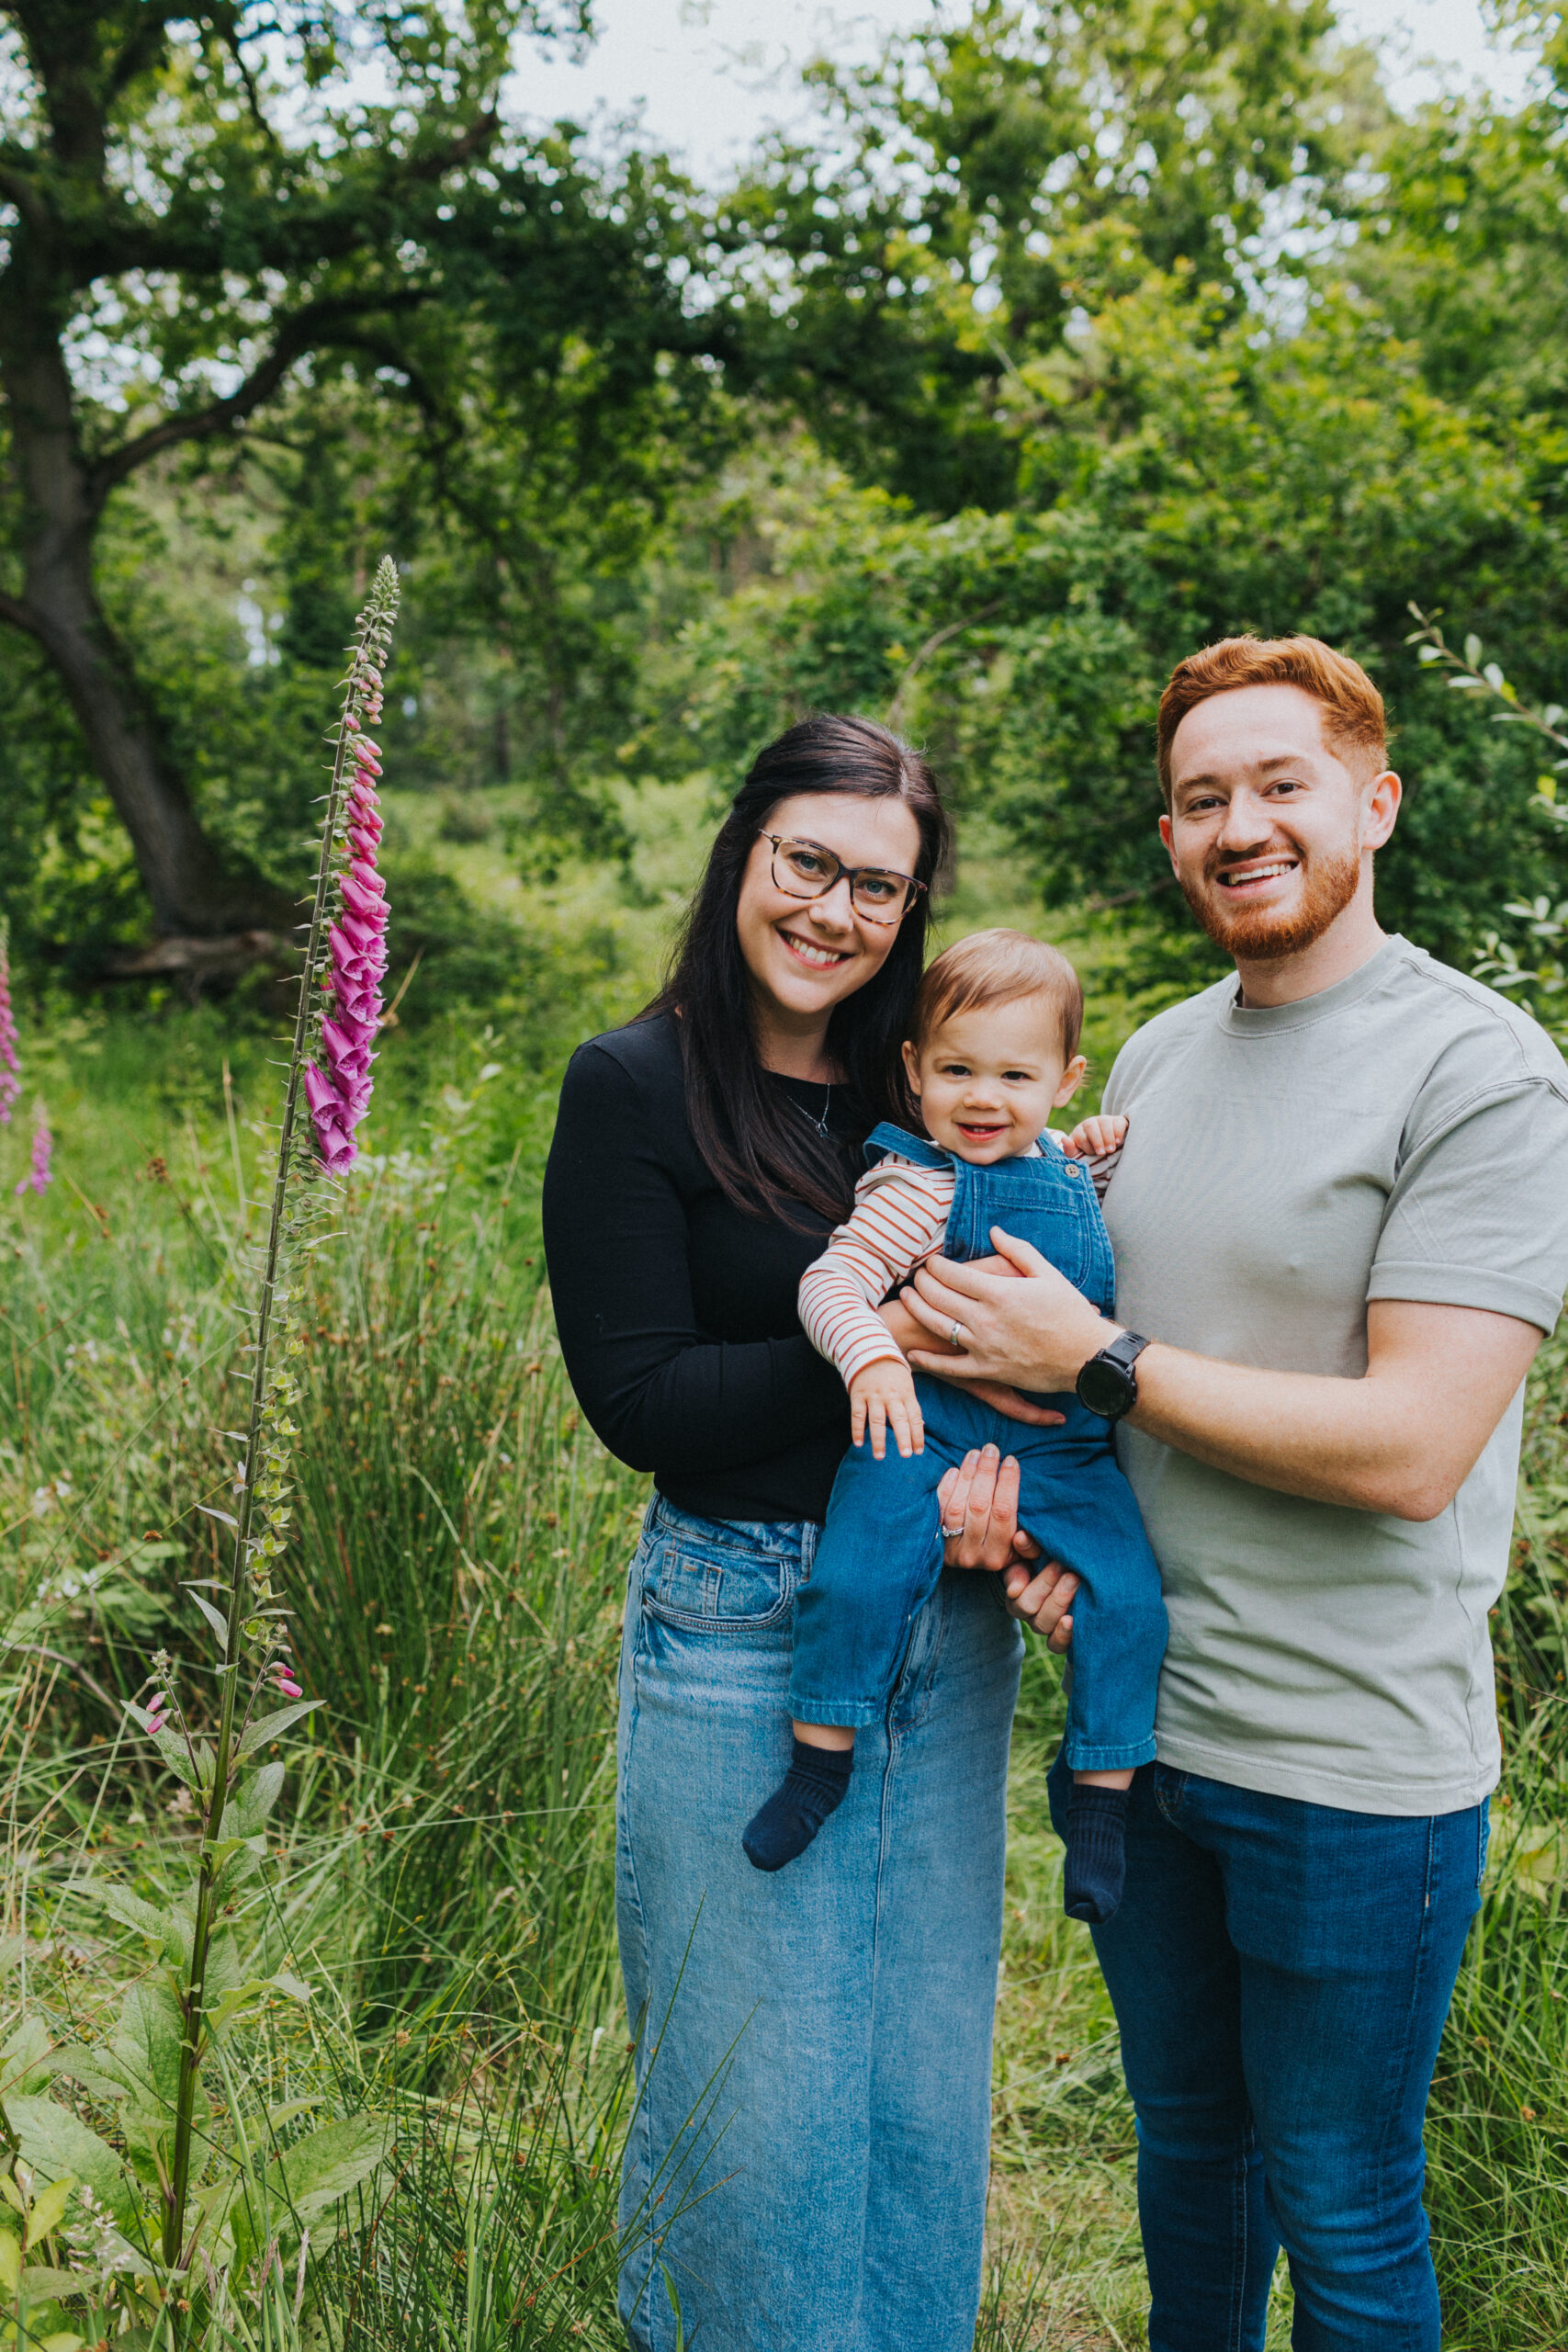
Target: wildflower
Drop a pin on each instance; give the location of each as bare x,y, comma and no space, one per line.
38,1175
339,1096
10,1069
157,1712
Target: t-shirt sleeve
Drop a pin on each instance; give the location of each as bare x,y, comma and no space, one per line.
660,1394
1478,1216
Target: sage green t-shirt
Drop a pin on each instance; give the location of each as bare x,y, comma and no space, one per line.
1403,1134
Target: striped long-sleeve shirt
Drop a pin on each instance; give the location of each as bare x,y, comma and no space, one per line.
900,1220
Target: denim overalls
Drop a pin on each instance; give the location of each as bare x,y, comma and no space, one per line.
880,1552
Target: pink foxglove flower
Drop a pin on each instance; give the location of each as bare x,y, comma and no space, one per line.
283,1675
339,1095
38,1175
10,1068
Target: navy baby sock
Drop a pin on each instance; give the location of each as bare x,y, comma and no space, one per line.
1097,1858
816,1785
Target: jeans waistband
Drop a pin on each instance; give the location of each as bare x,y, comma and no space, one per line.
791,1538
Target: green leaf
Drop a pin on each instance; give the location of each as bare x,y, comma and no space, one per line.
218,1623
148,2041
289,2113
213,1512
252,1991
272,1726
10,2260
1472,650
55,2142
93,2069
49,2209
161,1927
246,1816
169,1745
51,2285
23,2060
309,2177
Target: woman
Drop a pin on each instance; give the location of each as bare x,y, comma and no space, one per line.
808,2159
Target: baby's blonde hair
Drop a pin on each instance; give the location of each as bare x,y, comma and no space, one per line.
998,967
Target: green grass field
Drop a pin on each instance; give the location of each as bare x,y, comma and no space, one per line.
438,1869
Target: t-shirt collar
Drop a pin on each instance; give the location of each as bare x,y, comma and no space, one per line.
1271,1020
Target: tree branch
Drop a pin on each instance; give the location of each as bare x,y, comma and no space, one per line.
22,188
143,46
12,609
328,232
934,645
317,324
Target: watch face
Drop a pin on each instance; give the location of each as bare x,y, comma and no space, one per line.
1105,1388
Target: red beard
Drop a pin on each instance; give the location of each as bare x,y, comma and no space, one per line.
1264,934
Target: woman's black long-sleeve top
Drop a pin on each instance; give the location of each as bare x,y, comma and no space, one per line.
676,1310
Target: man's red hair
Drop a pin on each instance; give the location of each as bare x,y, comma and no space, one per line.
1353,723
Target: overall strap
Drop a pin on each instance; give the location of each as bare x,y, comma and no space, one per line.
887,1137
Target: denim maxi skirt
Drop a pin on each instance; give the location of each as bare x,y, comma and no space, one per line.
809,2152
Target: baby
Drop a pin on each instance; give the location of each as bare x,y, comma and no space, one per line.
994,1050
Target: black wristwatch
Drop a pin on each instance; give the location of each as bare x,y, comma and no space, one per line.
1108,1384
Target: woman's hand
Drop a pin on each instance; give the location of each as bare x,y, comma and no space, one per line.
908,1332
979,1501
1035,1333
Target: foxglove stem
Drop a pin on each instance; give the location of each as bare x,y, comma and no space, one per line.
248,1582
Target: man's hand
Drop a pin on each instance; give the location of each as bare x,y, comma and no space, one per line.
1094,1138
881,1397
1035,1333
1044,1599
937,1352
1399,1439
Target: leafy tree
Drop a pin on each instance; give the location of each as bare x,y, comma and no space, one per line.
988,181
207,224
1186,479
1464,243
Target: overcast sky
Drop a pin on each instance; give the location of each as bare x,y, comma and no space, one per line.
711,74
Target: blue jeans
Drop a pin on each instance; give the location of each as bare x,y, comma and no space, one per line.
811,2141
881,1554
1281,1973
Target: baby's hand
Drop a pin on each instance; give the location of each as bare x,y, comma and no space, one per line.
880,1394
1092,1138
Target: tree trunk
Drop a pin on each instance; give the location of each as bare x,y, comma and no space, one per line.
189,888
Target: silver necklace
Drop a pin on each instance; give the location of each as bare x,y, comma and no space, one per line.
821,1125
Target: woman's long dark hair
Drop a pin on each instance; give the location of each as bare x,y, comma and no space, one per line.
769,1159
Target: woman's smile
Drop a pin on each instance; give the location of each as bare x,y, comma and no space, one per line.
812,951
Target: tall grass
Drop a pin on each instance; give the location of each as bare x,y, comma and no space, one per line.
441,1863
441,1869
1498,2132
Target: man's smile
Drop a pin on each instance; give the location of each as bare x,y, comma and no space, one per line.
1254,874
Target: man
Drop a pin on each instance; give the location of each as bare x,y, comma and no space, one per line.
1341,1226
